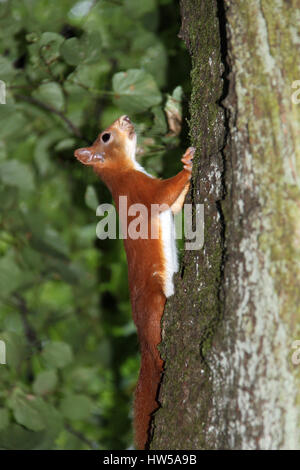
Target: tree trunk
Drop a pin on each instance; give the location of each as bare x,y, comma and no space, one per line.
230,380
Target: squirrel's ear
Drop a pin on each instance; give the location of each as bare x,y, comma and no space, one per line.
88,156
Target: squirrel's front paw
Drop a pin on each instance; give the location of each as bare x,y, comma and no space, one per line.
187,159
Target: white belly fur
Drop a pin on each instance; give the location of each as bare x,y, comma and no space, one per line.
169,250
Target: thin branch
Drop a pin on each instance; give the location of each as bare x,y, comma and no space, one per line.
96,92
51,109
79,435
30,333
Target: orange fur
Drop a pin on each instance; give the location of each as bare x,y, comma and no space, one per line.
113,161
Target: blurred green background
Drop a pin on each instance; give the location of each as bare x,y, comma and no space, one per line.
72,352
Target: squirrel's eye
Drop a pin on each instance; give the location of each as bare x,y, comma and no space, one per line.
105,137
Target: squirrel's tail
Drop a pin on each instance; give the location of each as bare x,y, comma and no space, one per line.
145,402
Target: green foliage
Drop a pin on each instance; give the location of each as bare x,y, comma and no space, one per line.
45,382
70,69
135,90
57,354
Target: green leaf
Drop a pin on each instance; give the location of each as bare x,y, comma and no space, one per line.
56,295
138,8
86,379
3,150
86,50
7,71
54,424
45,382
15,173
174,100
4,418
42,155
32,37
155,61
71,51
77,407
68,272
50,93
80,9
160,124
91,198
135,90
50,38
37,415
12,121
64,144
27,412
13,322
89,75
49,45
91,44
86,235
53,239
57,354
8,197
16,349
16,437
11,276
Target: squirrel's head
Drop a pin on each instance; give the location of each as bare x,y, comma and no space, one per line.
113,147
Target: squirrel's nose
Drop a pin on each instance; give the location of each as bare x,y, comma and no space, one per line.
83,154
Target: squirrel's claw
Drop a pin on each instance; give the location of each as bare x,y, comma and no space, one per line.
187,159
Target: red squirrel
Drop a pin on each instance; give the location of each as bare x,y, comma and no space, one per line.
151,261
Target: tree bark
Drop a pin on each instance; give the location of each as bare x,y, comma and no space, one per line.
228,332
